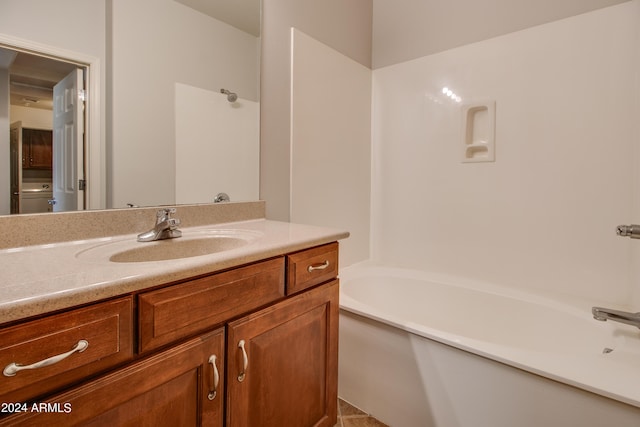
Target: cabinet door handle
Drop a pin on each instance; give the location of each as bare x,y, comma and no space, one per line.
245,361
216,378
321,266
13,368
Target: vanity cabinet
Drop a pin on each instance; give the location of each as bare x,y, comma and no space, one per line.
228,349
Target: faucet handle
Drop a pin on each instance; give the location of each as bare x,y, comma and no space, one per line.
632,231
164,214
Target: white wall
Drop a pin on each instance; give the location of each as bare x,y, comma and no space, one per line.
35,118
344,26
330,143
635,245
156,44
43,25
223,157
543,214
46,22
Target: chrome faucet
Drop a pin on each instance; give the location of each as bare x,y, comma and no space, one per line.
165,228
632,231
604,314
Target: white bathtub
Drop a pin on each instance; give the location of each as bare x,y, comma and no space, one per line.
419,350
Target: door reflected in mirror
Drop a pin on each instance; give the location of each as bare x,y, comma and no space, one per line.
46,148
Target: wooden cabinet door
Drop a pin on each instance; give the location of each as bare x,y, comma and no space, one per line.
26,148
172,388
39,148
288,354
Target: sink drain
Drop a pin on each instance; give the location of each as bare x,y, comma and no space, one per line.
607,350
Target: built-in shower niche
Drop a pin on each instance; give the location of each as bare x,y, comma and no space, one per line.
478,132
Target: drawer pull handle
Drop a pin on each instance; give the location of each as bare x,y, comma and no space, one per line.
216,378
13,368
245,361
318,266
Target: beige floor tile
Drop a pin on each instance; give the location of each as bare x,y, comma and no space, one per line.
350,416
345,409
362,422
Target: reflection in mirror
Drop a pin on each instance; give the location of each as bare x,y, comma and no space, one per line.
169,135
44,179
176,138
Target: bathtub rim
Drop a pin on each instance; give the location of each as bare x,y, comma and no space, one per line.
604,386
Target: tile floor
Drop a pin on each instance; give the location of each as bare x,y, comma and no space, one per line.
350,416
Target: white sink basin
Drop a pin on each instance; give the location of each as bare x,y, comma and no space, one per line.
191,244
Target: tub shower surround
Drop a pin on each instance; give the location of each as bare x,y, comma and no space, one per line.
566,137
535,356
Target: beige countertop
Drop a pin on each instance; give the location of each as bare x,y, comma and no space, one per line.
43,278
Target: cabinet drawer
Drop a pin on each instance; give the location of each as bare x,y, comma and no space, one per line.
311,267
182,310
104,329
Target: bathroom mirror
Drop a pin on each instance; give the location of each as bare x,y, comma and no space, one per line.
179,90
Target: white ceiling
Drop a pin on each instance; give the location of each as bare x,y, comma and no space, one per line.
32,78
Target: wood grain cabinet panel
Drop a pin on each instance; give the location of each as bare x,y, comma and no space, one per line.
289,359
107,328
311,267
183,310
172,388
37,149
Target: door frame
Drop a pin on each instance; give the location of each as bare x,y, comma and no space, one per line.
94,146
